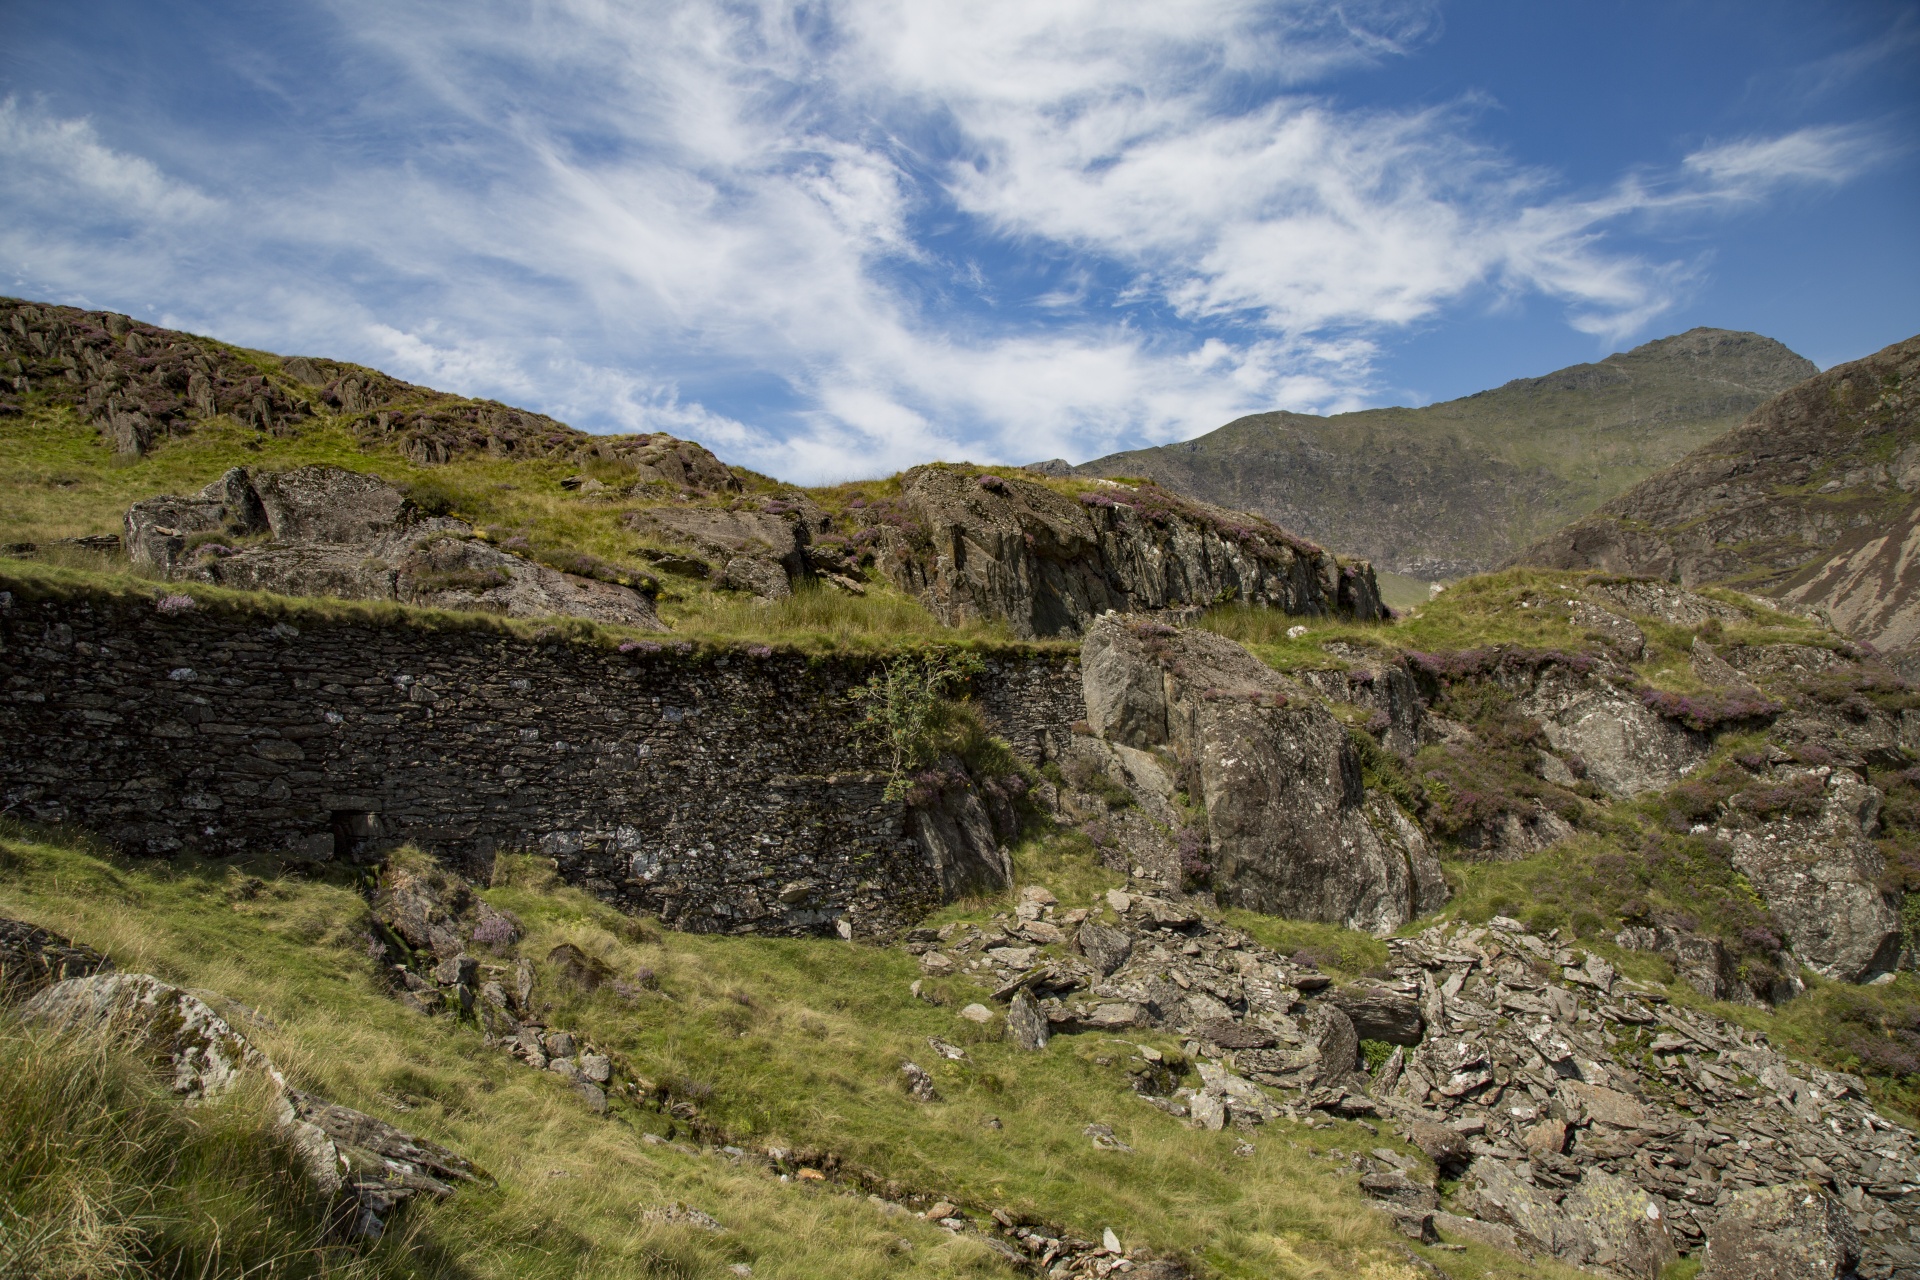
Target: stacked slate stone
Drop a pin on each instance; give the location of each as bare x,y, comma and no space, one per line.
1585,1115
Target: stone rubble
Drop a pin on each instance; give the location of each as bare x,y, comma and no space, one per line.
1586,1117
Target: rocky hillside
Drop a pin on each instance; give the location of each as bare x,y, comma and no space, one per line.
198,454
1811,499
1453,489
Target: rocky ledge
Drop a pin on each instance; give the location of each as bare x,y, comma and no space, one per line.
326,531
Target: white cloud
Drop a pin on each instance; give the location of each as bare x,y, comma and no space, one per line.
1004,228
1828,154
65,160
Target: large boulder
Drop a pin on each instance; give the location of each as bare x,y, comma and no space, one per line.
157,529
330,504
201,1055
991,547
758,552
1286,812
1782,1233
1819,876
1629,749
1602,1222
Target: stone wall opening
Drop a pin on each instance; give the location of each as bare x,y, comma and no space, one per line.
354,833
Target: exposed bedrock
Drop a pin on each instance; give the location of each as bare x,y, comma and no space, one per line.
327,531
1050,564
1289,827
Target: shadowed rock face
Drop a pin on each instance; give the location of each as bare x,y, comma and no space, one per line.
1050,564
1289,829
1812,498
354,536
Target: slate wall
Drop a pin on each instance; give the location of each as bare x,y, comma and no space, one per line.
725,791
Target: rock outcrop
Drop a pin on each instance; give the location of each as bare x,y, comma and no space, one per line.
975,545
366,1166
326,531
1820,876
1812,498
1288,825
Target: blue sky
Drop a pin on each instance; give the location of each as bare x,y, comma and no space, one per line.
835,237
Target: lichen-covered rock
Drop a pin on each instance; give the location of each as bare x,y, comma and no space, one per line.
1287,823
1379,1014
762,553
1782,1233
1629,749
203,1056
323,503
1820,876
1602,1221
426,906
1049,565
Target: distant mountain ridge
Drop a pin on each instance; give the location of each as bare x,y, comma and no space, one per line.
1814,498
1456,488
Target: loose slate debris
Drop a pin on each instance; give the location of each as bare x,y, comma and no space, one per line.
1585,1116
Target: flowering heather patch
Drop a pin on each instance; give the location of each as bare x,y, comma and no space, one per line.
889,514
1379,722
991,483
1157,629
1465,664
496,929
759,651
174,604
1704,711
639,646
1190,844
1860,691
1800,797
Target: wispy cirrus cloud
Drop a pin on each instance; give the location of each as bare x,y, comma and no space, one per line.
842,237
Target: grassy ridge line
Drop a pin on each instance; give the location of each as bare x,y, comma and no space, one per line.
813,622
789,1042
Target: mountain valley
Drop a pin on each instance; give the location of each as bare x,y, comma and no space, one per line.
438,842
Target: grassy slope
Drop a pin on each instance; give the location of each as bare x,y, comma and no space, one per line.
1557,446
791,1042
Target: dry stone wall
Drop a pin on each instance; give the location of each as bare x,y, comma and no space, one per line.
724,790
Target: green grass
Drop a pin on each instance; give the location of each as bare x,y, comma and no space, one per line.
784,1042
1485,611
103,1173
823,617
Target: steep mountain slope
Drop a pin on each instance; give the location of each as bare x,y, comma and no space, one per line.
1812,498
1452,489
